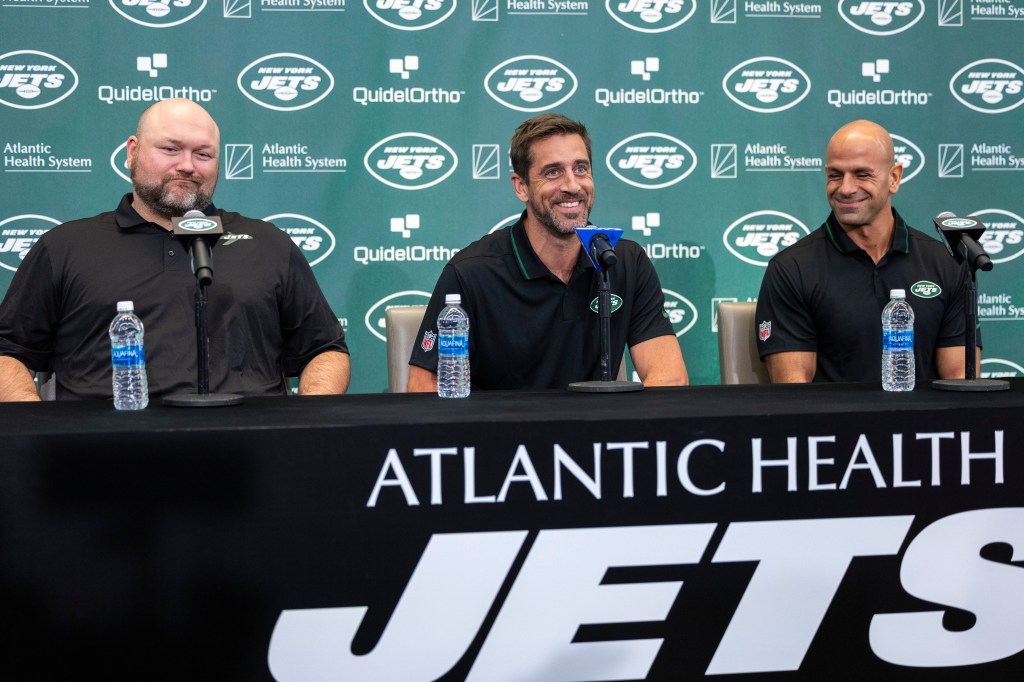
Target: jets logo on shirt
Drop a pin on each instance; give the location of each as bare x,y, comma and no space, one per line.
429,339
764,330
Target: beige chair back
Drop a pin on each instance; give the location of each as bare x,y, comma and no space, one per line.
738,361
401,325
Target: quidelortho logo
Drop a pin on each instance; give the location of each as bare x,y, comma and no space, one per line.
881,18
909,155
312,237
651,160
681,313
390,95
651,16
411,161
30,79
158,13
410,15
766,84
1003,238
374,318
18,234
530,83
991,86
758,236
285,81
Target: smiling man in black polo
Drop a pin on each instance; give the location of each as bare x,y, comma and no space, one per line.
820,307
530,289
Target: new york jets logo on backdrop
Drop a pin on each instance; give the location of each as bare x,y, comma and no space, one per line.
18,234
1003,238
651,16
651,160
158,13
285,81
312,237
909,155
30,79
758,236
410,15
766,84
990,86
680,312
881,18
374,319
530,83
410,161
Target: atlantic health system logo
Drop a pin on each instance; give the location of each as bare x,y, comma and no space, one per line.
32,80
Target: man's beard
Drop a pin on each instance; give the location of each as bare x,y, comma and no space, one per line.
556,226
168,204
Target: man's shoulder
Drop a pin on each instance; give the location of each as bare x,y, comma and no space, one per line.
494,245
925,241
81,229
806,248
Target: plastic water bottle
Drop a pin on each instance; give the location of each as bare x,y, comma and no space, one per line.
453,349
898,343
128,359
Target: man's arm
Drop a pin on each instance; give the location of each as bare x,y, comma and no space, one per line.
326,374
950,362
659,362
791,367
16,381
421,380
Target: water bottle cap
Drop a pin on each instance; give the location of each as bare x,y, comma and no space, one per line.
897,293
453,299
125,306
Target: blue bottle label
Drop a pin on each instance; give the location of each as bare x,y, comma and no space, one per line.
895,341
457,345
128,356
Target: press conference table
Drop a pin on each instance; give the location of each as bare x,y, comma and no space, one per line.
167,543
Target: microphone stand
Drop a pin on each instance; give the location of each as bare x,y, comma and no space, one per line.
200,252
604,311
970,382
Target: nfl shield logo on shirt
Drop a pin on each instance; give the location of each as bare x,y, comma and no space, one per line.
764,330
428,341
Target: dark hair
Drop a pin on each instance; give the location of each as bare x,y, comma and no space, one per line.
539,128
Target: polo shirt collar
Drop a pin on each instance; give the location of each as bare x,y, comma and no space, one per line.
530,265
128,218
837,235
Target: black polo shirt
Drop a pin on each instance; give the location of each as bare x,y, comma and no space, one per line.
267,315
825,294
530,330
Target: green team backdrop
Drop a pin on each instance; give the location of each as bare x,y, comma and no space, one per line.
376,132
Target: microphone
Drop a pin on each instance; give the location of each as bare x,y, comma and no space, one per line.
199,232
960,236
599,243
